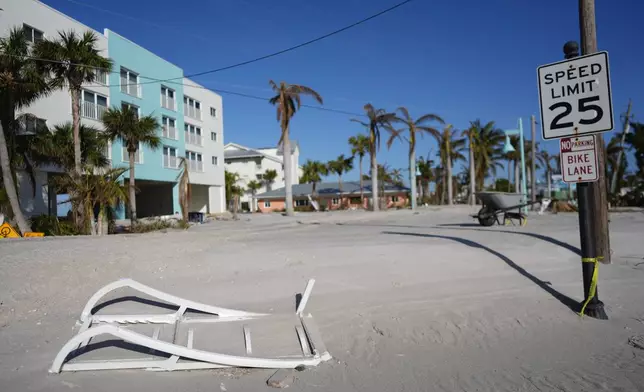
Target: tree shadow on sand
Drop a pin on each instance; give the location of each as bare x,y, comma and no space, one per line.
564,299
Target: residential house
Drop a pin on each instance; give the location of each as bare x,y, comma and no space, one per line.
329,196
190,117
252,163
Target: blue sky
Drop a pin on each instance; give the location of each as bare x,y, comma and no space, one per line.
463,60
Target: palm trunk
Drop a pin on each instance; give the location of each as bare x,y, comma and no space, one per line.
361,184
340,188
443,187
288,180
509,176
472,175
374,180
75,94
421,194
132,189
450,190
10,186
235,205
412,176
99,223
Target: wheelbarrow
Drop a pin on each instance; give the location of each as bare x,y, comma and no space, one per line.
497,207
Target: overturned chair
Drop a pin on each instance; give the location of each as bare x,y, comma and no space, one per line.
193,336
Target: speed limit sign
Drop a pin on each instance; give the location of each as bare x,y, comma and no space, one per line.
575,97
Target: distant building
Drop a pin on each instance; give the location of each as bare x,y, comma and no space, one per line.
252,163
329,196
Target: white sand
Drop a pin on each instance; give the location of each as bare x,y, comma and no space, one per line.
403,303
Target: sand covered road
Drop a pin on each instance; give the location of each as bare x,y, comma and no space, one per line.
404,302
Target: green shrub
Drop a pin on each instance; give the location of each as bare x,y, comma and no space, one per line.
304,208
146,227
52,226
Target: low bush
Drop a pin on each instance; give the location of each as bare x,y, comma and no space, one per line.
146,227
52,226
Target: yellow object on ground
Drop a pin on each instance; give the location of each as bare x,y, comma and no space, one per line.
32,234
6,231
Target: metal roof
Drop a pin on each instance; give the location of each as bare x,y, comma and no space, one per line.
329,188
230,154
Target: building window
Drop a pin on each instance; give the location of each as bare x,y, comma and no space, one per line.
258,165
169,157
32,124
93,105
193,134
137,156
169,129
31,34
167,98
215,161
267,204
100,76
191,108
195,162
135,108
301,203
355,200
213,136
394,199
335,201
213,112
130,83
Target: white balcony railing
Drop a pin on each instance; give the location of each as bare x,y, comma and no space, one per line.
169,132
167,102
101,77
93,111
193,138
129,88
195,166
193,112
170,162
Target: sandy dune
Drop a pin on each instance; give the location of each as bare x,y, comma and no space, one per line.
405,302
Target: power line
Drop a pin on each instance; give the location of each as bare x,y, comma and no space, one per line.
290,49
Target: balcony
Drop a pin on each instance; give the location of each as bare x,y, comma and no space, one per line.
193,138
169,132
167,102
129,88
170,162
100,77
195,166
193,112
91,110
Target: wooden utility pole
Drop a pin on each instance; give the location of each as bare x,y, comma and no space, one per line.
599,189
533,168
627,119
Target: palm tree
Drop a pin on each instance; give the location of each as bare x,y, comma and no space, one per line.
487,150
288,100
376,118
471,134
359,146
231,179
340,166
546,159
185,191
414,127
426,174
253,187
134,133
450,152
75,60
21,83
312,173
58,147
103,190
268,178
635,142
